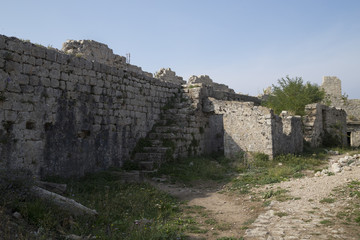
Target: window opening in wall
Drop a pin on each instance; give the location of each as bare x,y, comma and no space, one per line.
348,137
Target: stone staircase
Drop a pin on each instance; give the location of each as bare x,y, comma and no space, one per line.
166,140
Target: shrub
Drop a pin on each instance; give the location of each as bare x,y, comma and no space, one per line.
292,95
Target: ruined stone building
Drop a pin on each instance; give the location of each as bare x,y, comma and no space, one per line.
335,98
85,108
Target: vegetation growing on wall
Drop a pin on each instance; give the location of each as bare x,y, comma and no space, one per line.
292,94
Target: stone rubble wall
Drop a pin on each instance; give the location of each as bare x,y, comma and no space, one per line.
66,115
167,75
321,120
253,128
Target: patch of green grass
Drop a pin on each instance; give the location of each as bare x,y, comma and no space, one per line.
230,238
327,200
126,211
259,170
197,168
223,226
326,222
210,221
281,214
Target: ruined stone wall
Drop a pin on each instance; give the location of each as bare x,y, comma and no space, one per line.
335,98
332,86
253,128
167,75
64,115
287,134
99,52
206,80
322,123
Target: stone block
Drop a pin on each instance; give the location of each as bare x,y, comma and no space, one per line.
73,78
70,86
34,80
42,72
54,74
22,79
10,115
38,62
38,52
11,66
63,59
14,46
64,76
51,55
54,83
28,69
44,81
28,59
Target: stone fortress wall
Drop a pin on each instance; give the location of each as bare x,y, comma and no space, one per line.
62,114
85,108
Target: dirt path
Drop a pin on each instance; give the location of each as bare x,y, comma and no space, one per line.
303,216
308,215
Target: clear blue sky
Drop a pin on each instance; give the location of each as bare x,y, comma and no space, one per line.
246,44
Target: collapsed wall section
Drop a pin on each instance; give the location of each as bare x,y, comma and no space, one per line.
64,115
287,134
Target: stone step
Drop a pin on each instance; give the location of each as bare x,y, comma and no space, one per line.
155,149
147,165
168,129
145,156
156,142
156,135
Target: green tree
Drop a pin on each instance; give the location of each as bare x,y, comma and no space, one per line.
292,95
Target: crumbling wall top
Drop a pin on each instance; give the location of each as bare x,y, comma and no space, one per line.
167,75
99,52
205,79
